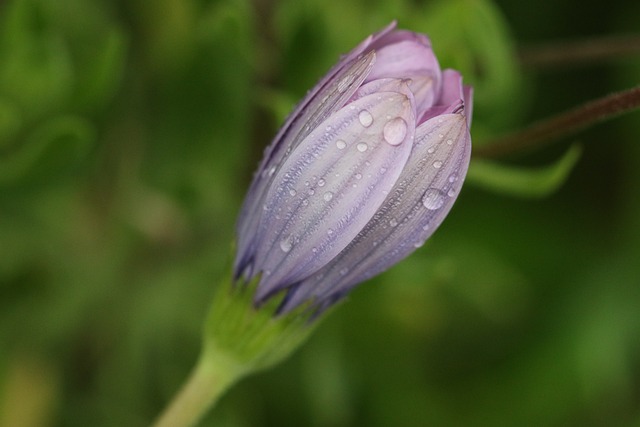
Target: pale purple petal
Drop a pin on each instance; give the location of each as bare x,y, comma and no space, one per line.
452,97
325,102
330,187
422,197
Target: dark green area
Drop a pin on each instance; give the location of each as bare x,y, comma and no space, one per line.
128,134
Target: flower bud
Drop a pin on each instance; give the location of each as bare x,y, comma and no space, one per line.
362,172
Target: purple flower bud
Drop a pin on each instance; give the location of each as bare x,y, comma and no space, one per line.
362,173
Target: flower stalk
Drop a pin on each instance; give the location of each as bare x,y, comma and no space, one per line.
562,125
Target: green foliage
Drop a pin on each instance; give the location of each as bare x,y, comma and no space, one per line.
128,135
523,182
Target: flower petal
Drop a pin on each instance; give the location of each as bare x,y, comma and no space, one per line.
301,122
408,57
452,97
331,186
418,203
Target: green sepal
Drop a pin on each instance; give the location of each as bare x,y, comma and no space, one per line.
255,337
520,181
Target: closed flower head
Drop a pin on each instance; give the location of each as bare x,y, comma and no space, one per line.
361,173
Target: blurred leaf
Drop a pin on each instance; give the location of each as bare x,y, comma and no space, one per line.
54,147
101,73
35,64
473,37
10,122
520,181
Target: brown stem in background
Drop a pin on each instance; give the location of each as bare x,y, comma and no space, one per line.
562,125
579,52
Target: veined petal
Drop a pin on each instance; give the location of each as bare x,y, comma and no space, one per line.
331,186
418,203
406,58
452,97
300,123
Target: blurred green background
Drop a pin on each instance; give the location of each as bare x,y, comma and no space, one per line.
128,134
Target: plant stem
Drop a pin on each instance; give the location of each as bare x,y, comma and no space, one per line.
211,376
562,125
579,52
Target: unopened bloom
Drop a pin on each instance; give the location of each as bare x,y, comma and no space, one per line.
361,173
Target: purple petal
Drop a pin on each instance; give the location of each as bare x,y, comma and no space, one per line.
301,122
418,203
451,99
331,186
404,59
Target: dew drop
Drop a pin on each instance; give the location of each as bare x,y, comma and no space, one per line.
365,117
292,192
393,222
451,192
433,199
330,231
418,244
449,141
321,182
305,202
344,271
341,144
453,177
358,176
327,196
286,244
431,150
362,147
437,164
394,131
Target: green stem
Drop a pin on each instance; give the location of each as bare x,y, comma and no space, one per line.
562,125
210,378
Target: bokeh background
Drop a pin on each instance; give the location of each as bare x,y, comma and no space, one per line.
128,134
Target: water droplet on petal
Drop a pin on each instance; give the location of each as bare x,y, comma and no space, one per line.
418,244
321,182
433,199
327,196
449,141
362,147
341,144
344,271
394,131
292,192
453,177
358,176
451,192
330,231
437,164
393,222
431,150
365,117
286,244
